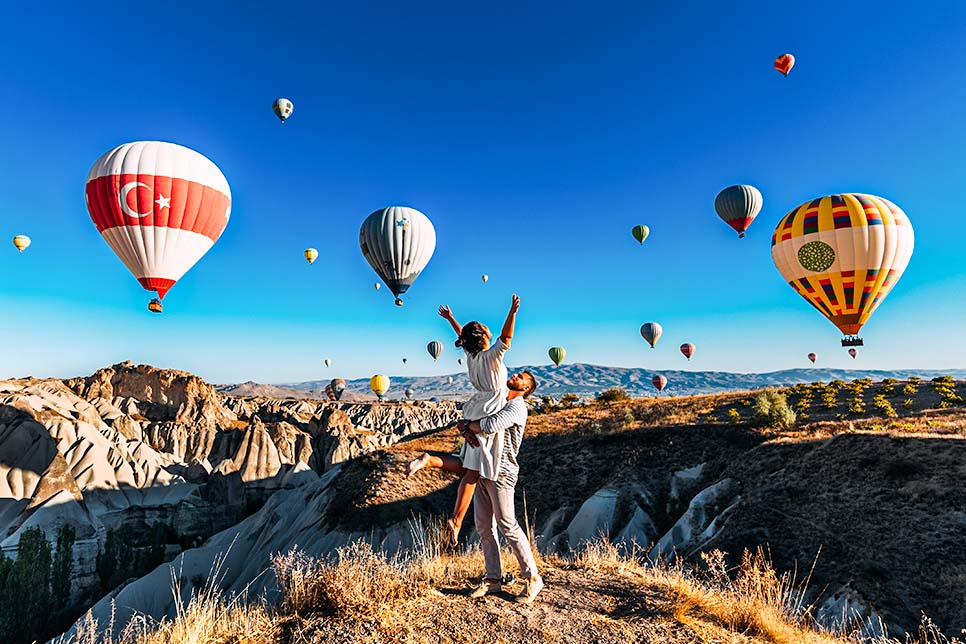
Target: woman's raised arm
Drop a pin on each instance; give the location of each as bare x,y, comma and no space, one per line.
447,314
507,333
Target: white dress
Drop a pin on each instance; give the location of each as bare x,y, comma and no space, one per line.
488,375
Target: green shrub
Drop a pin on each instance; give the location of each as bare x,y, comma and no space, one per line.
569,401
771,410
612,395
907,403
830,399
945,380
734,415
883,406
856,406
910,389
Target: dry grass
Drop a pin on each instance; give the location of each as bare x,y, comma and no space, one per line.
362,595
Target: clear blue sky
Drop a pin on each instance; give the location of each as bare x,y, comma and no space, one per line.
533,136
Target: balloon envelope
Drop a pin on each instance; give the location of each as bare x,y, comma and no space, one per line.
21,242
738,206
853,352
843,253
784,63
328,362
338,386
159,206
283,108
485,278
687,349
640,233
557,354
813,357
435,348
409,394
659,382
651,332
311,255
398,243
379,384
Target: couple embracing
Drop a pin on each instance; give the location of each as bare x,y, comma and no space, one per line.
493,422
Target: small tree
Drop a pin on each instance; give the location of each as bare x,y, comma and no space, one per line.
62,566
569,401
771,410
614,394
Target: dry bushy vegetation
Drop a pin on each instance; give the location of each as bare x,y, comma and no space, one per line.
600,596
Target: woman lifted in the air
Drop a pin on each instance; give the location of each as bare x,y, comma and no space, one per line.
488,374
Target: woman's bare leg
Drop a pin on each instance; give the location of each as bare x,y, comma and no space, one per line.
463,497
449,463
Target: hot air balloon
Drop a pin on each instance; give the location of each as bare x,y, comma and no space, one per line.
377,286
659,382
329,393
435,348
738,206
155,306
813,357
459,360
640,233
397,242
844,253
449,380
159,206
338,386
651,332
485,278
404,361
409,394
687,349
21,242
853,352
557,354
379,385
328,363
784,63
283,108
311,255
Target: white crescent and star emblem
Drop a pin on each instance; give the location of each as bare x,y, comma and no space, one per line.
122,199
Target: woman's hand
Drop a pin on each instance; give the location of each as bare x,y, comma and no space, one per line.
445,312
515,304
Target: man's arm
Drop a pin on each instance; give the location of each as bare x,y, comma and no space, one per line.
447,314
507,333
510,415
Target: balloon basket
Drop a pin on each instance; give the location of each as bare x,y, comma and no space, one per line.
852,341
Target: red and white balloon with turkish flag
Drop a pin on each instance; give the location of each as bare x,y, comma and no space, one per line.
160,207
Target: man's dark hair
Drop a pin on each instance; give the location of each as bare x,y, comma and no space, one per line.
532,386
474,337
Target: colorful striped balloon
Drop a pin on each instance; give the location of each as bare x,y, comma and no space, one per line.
844,253
659,382
160,207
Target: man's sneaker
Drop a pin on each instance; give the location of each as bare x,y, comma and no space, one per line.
486,587
531,588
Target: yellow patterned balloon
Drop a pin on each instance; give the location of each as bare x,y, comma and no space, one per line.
844,253
379,384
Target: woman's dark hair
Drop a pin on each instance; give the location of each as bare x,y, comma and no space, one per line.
474,337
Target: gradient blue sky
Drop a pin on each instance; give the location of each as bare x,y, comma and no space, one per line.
534,135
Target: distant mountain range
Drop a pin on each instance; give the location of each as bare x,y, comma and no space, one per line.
586,380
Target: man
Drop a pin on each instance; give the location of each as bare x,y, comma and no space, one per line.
493,500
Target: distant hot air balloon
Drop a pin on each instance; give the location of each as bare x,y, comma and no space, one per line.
435,348
651,332
738,206
485,278
377,286
813,357
283,108
784,63
338,386
398,243
409,394
640,233
155,306
379,385
659,382
328,363
843,253
159,206
459,360
557,354
853,352
449,380
687,349
21,242
311,255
